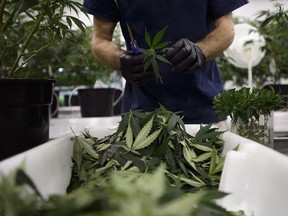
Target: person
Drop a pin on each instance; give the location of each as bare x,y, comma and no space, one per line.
198,31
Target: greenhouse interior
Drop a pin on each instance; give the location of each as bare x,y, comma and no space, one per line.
144,108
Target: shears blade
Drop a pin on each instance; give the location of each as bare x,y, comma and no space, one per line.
134,44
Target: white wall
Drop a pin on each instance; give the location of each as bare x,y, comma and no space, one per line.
251,9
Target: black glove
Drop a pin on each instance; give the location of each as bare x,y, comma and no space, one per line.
185,56
132,68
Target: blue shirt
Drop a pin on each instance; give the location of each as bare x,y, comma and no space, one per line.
192,93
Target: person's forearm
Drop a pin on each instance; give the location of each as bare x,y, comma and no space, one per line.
107,53
219,39
103,48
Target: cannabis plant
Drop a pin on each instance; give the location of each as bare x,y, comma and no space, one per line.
250,110
29,26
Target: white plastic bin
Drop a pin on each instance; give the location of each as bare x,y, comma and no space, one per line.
255,175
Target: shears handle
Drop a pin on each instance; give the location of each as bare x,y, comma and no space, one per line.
135,47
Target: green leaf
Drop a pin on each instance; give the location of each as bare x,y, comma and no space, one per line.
148,38
219,166
135,124
81,25
159,152
267,21
182,206
183,167
136,161
77,153
158,37
163,59
189,154
102,147
28,5
104,169
202,157
192,182
129,137
161,45
213,161
22,178
202,147
127,165
170,159
156,70
173,120
143,133
86,145
82,173
196,178
148,62
69,21
147,141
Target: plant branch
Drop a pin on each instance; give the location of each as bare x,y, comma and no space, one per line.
29,37
32,56
2,6
10,19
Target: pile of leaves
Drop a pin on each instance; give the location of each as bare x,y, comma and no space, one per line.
146,140
125,193
150,166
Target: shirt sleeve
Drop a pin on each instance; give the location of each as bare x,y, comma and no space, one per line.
218,8
107,9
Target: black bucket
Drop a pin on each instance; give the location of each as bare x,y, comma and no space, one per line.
25,106
96,102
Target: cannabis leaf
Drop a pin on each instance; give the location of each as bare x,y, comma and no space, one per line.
151,54
279,18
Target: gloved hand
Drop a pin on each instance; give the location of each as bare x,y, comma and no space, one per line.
185,56
132,68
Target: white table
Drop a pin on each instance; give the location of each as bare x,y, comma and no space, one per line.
64,126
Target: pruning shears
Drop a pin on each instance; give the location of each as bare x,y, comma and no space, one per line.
133,42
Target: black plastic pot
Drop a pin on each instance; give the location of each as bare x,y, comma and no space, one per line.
74,100
55,104
24,114
117,107
96,102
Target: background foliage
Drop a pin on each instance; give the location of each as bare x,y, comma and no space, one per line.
274,65
27,27
77,64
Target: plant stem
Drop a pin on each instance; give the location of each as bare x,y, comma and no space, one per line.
32,56
21,52
2,6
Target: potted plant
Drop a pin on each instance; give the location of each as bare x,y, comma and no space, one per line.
26,29
251,112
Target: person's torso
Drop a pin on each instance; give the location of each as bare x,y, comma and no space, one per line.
192,19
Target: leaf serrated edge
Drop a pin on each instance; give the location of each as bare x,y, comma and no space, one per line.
143,133
148,140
